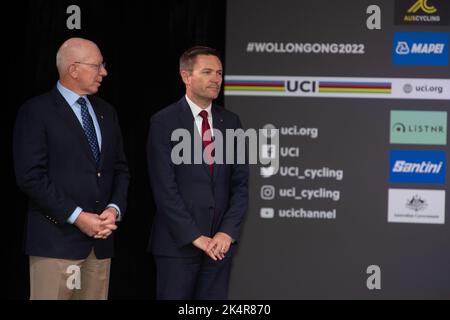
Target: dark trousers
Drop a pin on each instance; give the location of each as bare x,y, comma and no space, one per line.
198,278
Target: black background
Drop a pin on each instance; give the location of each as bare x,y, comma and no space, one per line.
141,41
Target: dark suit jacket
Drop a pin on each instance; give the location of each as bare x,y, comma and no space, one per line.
55,167
186,195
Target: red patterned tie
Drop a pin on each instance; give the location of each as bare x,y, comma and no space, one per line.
207,138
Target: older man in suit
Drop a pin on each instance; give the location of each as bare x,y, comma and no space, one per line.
69,161
200,207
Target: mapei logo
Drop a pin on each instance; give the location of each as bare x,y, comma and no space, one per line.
420,48
422,12
423,167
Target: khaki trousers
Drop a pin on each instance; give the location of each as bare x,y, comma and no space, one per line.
60,279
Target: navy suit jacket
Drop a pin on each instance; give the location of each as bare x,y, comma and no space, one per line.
188,198
56,169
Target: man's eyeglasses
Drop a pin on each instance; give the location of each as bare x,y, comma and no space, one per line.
98,66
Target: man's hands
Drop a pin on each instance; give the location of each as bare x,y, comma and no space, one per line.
215,247
202,242
97,226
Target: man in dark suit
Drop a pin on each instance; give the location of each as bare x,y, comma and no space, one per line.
69,161
200,207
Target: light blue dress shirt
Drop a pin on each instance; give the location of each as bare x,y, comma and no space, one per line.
71,98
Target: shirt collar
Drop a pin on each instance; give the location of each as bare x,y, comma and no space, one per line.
195,109
70,96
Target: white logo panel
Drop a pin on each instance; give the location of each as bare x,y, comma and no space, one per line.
416,206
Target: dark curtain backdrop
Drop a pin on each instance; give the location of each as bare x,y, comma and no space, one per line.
141,42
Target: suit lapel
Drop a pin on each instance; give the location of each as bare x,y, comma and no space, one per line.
218,124
187,119
66,113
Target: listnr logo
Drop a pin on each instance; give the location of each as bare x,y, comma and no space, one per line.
418,127
420,48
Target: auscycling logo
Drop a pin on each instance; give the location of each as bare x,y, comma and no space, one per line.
418,127
422,12
422,167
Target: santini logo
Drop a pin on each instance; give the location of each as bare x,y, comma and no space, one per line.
414,167
420,48
417,166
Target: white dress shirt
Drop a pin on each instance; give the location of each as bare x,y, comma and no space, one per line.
198,119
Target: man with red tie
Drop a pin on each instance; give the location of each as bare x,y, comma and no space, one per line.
200,207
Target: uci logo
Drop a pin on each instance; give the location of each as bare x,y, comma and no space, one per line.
302,86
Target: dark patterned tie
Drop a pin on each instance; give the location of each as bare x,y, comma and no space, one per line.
89,129
207,138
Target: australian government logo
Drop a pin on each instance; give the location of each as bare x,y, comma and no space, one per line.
416,206
416,203
422,12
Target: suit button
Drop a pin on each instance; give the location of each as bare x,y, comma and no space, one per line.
99,174
97,202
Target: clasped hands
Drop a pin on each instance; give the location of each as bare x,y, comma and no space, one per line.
215,247
97,226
